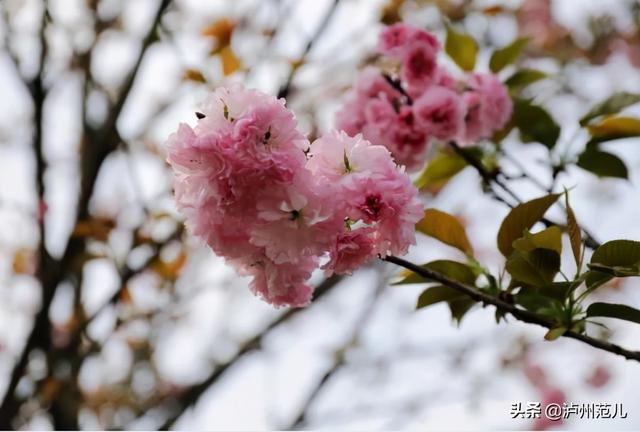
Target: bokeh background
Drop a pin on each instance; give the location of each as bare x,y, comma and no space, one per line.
111,316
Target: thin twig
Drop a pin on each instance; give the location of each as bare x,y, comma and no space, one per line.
191,396
339,356
493,178
286,88
520,314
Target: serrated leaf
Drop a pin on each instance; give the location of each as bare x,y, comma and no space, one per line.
595,279
617,271
437,294
555,333
459,307
612,105
550,238
446,228
505,56
602,164
537,268
532,300
452,269
535,123
575,233
521,218
523,78
442,168
612,310
613,128
615,253
462,49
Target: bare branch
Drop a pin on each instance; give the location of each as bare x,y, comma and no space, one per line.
339,356
286,88
51,272
193,394
493,178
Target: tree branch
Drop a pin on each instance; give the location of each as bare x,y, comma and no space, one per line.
519,314
38,94
493,178
339,356
286,88
51,272
193,394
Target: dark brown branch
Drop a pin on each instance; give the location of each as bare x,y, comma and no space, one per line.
519,314
339,356
493,178
52,272
193,394
38,94
286,88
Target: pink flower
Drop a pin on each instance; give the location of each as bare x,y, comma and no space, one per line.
371,88
394,40
475,127
599,377
351,250
372,189
440,111
445,79
406,140
337,156
279,284
489,106
390,205
549,396
247,189
372,84
418,68
297,221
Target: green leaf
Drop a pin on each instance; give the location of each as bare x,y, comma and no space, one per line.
437,294
531,299
595,279
602,164
523,78
617,271
535,123
575,233
613,254
522,218
451,269
442,168
505,56
558,290
537,268
611,310
611,105
613,128
462,48
459,307
446,228
550,238
555,333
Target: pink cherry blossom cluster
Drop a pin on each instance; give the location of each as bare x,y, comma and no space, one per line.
423,102
277,207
